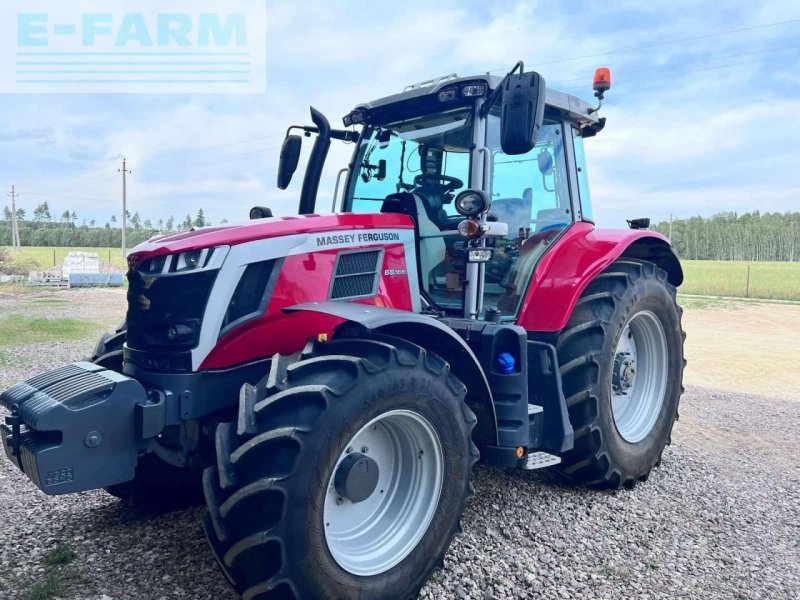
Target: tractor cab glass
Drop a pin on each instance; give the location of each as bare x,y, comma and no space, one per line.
427,156
418,165
530,193
427,163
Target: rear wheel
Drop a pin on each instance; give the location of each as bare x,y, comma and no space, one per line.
346,474
621,358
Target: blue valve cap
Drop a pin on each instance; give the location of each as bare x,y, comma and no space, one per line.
506,363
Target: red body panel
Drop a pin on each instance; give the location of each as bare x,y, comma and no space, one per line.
231,235
304,278
567,268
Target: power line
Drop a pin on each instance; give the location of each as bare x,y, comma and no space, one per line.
711,68
215,146
108,174
692,62
54,194
659,44
214,161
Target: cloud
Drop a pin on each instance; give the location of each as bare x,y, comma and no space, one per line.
679,139
27,135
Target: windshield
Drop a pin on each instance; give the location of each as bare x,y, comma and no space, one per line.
426,160
428,155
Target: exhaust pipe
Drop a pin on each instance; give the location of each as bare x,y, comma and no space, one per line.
316,162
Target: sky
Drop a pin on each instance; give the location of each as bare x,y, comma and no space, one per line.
702,115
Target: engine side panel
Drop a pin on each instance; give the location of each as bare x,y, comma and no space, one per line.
577,258
306,276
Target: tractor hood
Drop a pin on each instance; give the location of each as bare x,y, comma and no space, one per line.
232,235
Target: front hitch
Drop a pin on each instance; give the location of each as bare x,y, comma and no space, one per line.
78,427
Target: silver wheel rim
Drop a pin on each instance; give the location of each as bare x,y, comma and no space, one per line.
639,376
372,536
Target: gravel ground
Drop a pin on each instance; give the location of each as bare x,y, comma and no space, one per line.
719,519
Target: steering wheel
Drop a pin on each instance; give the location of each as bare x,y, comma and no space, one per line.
449,183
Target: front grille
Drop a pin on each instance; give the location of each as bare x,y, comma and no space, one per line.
157,305
356,275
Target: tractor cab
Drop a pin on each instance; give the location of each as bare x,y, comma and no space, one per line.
424,148
485,206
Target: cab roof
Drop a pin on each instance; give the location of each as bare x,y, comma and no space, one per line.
569,106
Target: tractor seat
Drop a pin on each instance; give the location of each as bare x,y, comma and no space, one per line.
551,218
516,212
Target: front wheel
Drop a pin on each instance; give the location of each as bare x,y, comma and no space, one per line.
346,474
621,357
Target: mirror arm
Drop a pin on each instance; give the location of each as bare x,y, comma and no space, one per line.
306,129
336,134
336,189
489,102
599,95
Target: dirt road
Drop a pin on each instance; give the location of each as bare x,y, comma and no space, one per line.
744,347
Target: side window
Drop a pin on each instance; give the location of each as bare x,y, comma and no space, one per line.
372,190
530,193
583,176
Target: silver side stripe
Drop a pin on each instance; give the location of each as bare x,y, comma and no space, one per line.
241,255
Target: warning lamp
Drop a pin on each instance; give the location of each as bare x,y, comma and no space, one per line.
469,228
600,85
602,81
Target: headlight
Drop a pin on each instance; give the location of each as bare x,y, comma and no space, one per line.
470,203
188,261
202,259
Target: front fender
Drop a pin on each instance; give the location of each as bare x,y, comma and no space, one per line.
581,254
431,334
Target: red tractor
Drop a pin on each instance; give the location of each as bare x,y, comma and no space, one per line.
329,381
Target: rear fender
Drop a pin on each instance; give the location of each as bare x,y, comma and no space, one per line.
581,254
431,334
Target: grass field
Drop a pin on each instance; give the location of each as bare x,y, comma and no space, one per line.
772,280
16,329
47,257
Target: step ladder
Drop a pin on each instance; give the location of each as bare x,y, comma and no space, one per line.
539,460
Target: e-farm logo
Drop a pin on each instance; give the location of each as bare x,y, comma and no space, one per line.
133,46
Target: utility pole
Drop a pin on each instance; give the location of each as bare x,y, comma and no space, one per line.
124,170
15,244
670,227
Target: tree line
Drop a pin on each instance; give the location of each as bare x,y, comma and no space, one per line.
750,236
41,228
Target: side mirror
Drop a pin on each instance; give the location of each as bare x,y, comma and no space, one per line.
545,162
643,223
522,112
381,174
260,212
290,157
